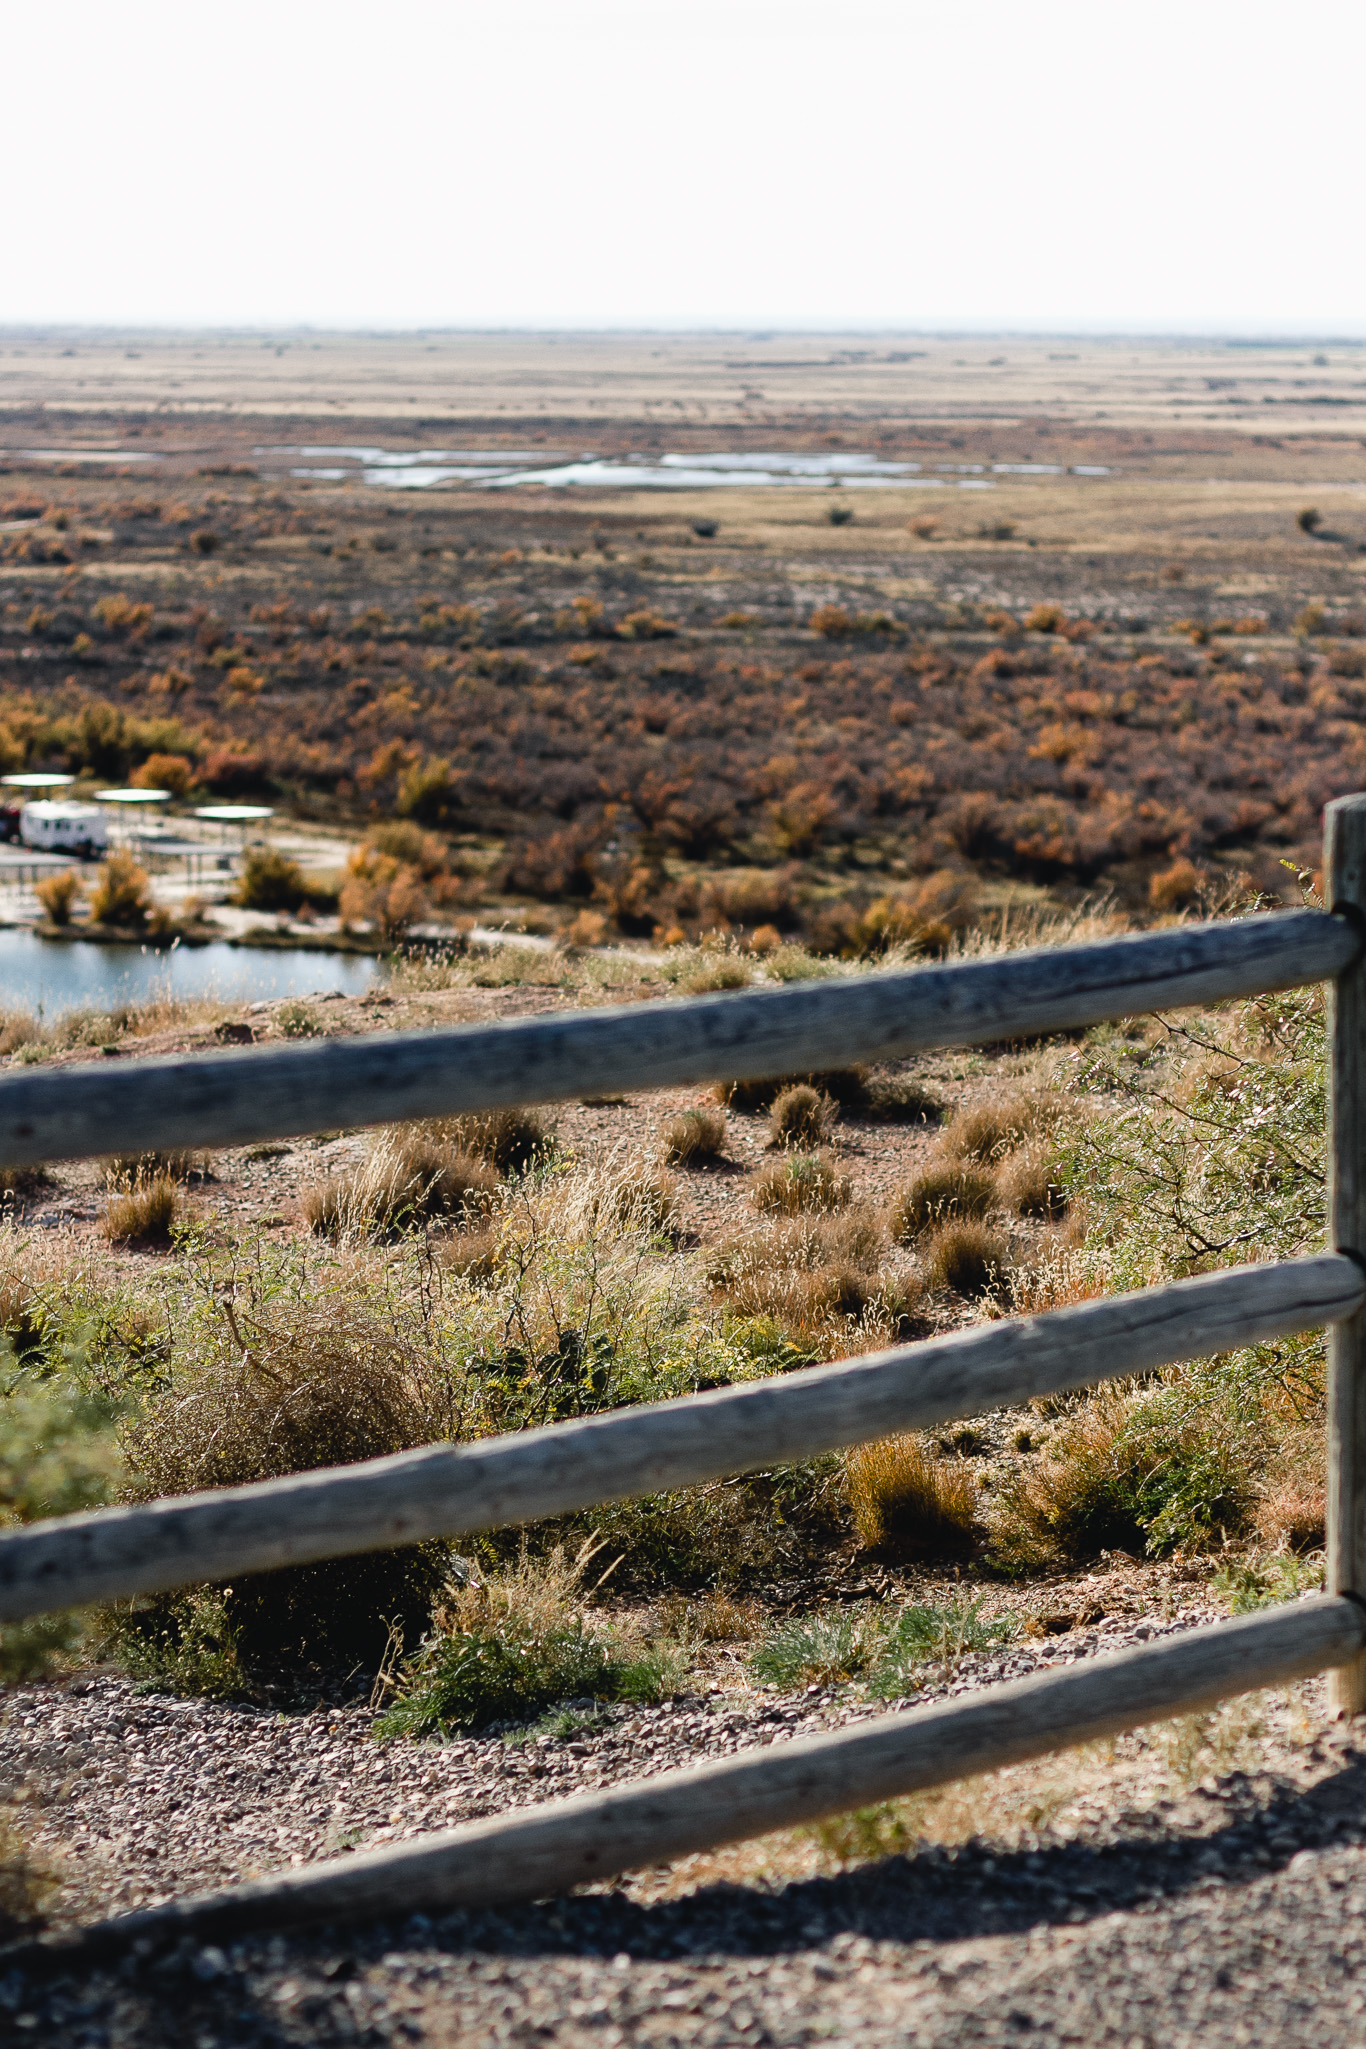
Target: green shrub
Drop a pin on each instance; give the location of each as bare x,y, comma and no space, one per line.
270,881
508,1648
930,1635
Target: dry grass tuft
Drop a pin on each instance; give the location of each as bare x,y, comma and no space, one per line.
409,1179
509,1140
799,1183
806,1271
122,1170
801,1116
143,1213
1026,1184
639,1199
993,1129
695,1134
908,1503
937,1197
966,1258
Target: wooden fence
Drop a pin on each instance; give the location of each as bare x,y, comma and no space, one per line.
446,1489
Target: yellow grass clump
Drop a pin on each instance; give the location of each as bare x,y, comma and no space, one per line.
908,1503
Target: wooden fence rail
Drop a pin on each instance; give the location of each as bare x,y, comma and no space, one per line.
443,1489
279,1092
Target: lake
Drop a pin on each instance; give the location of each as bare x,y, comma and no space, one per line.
50,976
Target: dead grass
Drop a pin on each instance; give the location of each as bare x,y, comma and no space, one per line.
638,1199
801,1116
143,1213
938,1196
509,1140
1027,1183
696,1134
122,1170
408,1179
800,1183
813,1273
991,1130
966,1258
908,1503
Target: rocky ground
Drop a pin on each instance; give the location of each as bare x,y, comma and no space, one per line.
1206,1882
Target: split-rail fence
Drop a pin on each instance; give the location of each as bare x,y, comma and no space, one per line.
445,1489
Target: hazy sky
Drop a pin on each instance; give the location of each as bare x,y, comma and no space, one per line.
1179,165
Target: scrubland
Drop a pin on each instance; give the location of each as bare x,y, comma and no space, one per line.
792,749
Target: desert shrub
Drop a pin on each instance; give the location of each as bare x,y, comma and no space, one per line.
164,772
1129,1473
638,1197
698,1133
510,1646
888,1651
58,895
800,1182
800,1116
939,1635
143,1212
510,1140
407,1180
740,1532
1308,520
991,1129
270,881
827,1649
18,1029
966,1258
123,1170
279,1369
936,1196
122,895
1174,887
909,1503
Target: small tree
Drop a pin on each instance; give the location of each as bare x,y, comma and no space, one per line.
122,894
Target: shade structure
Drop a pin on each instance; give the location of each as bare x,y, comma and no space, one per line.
37,779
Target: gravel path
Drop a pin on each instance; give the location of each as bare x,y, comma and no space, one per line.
1216,1893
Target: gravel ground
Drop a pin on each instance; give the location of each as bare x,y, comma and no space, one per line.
1151,1895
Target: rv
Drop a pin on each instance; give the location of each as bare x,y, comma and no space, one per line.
52,827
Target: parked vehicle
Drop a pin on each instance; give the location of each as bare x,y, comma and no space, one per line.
53,827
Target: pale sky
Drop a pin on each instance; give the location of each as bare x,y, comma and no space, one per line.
1174,166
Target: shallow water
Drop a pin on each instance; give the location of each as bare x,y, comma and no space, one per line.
51,976
491,469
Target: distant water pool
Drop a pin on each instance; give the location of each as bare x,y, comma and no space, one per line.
52,976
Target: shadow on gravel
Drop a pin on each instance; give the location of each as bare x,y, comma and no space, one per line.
273,1991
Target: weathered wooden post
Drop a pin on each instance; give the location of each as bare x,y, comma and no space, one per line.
1344,875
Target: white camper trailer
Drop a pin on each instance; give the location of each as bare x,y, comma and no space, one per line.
53,827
